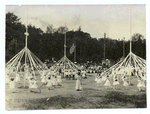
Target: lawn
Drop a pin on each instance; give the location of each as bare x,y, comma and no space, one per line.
66,97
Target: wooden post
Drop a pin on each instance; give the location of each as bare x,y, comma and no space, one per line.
104,45
123,47
65,46
130,42
75,51
26,33
65,43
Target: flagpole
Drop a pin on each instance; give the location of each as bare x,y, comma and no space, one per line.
75,51
65,43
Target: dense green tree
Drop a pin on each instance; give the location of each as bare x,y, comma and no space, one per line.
51,43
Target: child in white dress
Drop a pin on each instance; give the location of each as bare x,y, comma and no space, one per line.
115,83
107,83
125,83
140,85
17,77
44,81
49,83
99,81
7,79
78,82
53,79
59,81
96,79
33,86
84,74
12,83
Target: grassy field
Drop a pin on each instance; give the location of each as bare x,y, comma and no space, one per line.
66,97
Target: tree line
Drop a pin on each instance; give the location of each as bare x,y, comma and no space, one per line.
50,44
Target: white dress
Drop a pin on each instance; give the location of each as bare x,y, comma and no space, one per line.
99,80
139,84
43,79
76,76
54,81
115,83
125,83
7,79
49,83
34,84
107,83
17,78
78,83
12,84
96,79
123,78
59,81
104,78
83,74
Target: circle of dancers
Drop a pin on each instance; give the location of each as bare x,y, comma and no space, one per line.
48,78
53,78
103,79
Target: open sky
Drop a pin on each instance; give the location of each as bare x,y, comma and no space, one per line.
114,20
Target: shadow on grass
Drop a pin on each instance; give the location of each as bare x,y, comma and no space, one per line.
88,100
138,100
22,87
57,102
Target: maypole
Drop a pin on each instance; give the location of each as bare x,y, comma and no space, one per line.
27,34
65,44
104,45
130,40
123,47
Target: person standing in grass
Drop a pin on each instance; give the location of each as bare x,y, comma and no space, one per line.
17,77
7,79
33,86
12,84
84,74
59,81
43,79
115,83
141,84
125,83
78,82
54,81
99,81
107,83
49,83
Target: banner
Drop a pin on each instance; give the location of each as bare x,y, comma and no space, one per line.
72,48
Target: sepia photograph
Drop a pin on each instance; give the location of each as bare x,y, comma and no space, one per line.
75,57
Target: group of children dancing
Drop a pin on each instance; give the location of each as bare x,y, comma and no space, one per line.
105,80
50,79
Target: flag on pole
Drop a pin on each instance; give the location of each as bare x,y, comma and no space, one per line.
72,48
